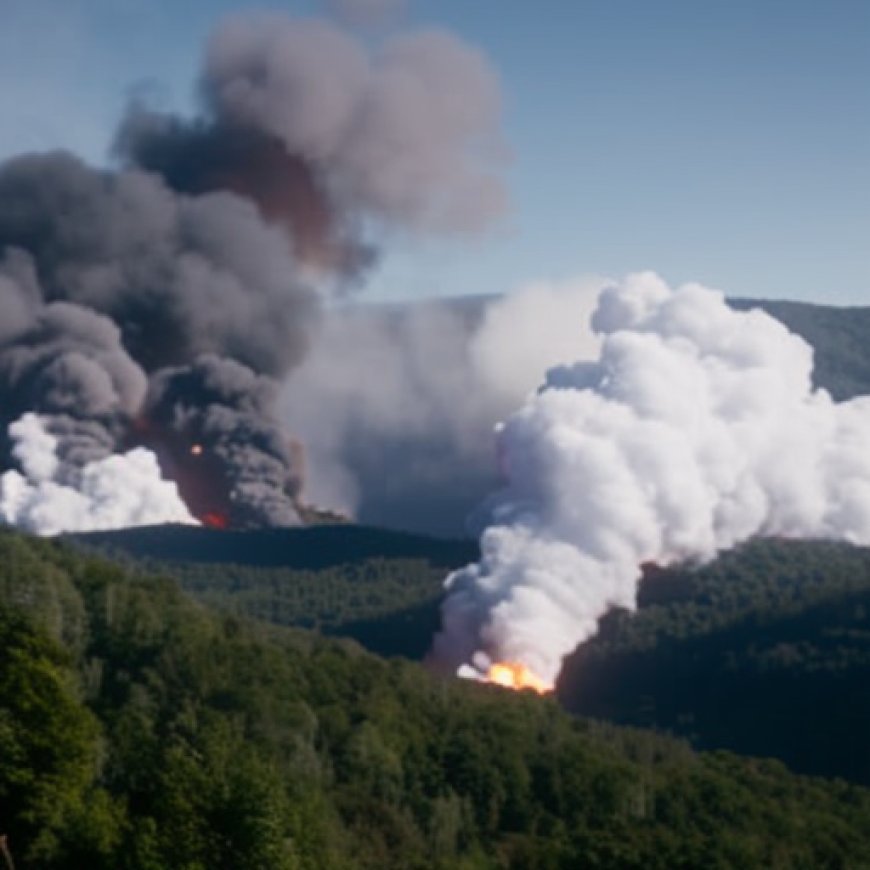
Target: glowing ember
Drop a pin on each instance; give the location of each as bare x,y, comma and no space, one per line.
215,520
513,675
196,450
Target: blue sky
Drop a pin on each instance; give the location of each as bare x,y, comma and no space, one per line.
725,142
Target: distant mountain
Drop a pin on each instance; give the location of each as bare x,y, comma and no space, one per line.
840,338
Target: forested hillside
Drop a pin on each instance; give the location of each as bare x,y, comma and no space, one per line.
141,730
379,587
840,338
765,651
311,548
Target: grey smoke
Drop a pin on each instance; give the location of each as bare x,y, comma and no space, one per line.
65,362
226,410
20,293
179,275
201,157
404,134
196,270
126,278
69,360
333,141
397,406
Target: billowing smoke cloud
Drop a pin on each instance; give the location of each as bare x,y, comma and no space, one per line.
695,429
179,275
397,406
119,490
65,362
216,417
163,302
112,278
406,134
325,136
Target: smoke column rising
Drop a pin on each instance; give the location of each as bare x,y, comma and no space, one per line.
696,428
397,406
162,303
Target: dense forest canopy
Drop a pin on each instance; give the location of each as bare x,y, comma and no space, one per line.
727,655
380,587
765,651
142,730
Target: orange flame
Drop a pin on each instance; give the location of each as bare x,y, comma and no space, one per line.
196,449
514,675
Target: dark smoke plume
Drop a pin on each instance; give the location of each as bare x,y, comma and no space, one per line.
199,157
216,417
65,362
162,303
405,134
397,406
179,275
127,278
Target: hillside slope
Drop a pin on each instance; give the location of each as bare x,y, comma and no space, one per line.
732,655
306,548
765,651
141,731
840,338
379,587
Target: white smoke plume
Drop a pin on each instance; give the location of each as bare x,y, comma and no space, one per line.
116,491
696,428
395,403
